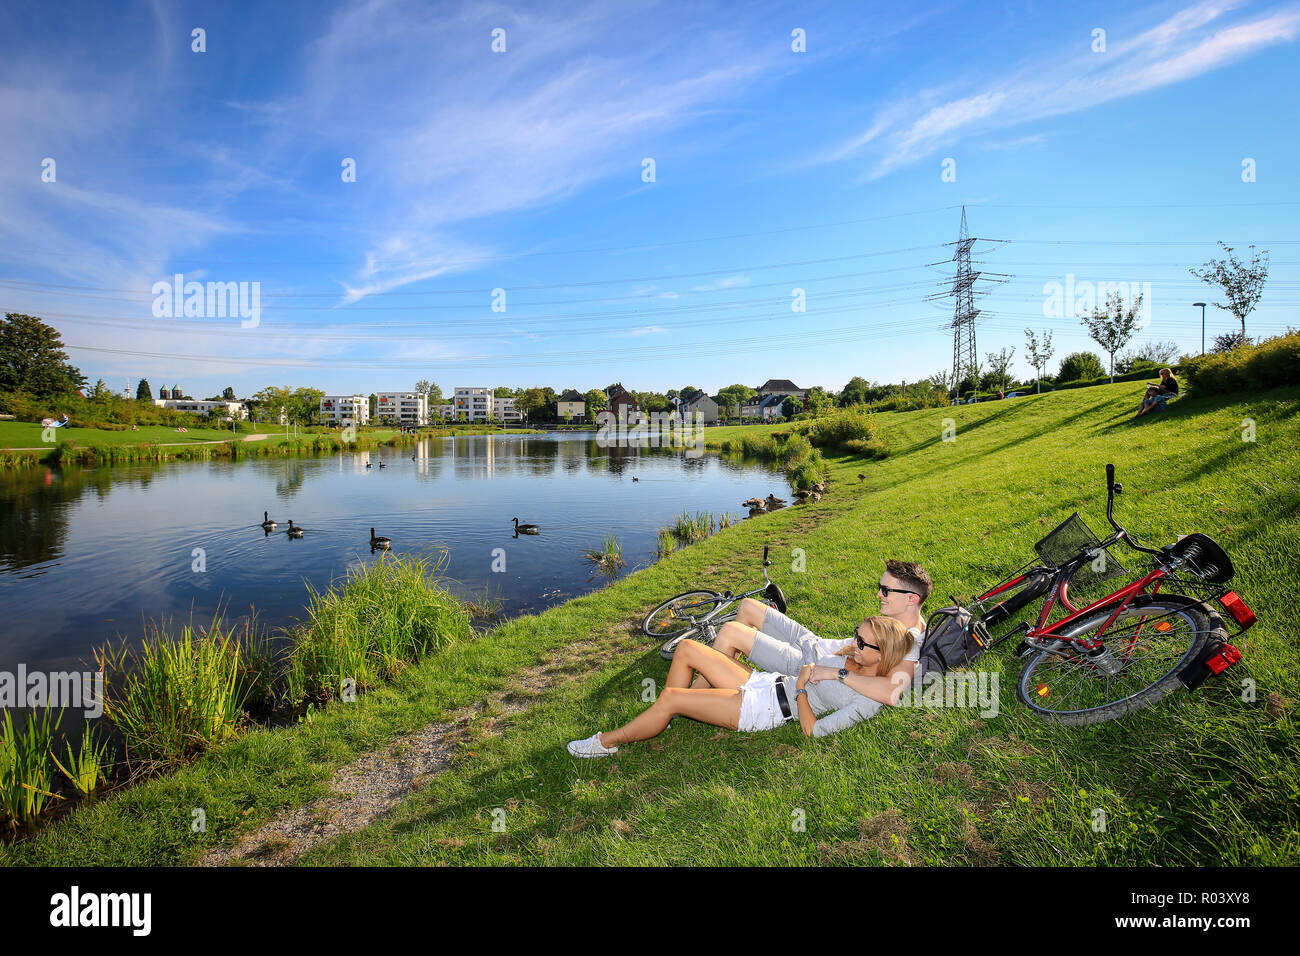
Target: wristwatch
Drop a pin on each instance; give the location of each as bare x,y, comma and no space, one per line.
844,672
801,690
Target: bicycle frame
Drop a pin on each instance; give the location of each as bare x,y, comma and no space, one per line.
728,599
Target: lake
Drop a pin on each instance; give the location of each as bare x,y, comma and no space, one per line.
88,555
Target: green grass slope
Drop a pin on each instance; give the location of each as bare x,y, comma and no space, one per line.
1203,779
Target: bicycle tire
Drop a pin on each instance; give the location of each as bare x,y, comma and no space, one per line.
1057,674
662,628
670,646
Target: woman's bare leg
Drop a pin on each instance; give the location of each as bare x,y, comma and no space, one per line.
733,638
716,706
715,667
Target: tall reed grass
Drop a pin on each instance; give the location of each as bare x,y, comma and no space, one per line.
371,627
25,772
176,696
609,557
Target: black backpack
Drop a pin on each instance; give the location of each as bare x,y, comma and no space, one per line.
953,637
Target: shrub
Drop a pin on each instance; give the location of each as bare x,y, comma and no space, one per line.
1080,365
867,447
1268,364
832,431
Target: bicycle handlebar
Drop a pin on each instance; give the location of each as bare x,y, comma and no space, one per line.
1112,488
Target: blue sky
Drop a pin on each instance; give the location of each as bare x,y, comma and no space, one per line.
522,170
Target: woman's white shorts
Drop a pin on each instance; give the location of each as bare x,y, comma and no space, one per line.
759,707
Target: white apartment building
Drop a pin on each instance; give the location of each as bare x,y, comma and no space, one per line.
503,410
344,410
196,407
473,404
402,408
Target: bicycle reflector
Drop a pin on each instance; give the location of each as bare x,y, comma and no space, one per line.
1235,606
1221,661
1043,690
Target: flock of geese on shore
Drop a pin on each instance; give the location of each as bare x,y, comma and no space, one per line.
758,506
377,542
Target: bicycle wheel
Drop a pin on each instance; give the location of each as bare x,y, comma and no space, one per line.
706,632
1066,686
673,617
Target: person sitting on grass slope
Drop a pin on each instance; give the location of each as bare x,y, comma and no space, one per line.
1159,393
735,697
774,642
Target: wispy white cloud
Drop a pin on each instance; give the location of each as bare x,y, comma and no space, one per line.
1190,43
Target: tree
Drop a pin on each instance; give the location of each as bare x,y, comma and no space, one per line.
1242,282
531,402
596,401
1228,342
1112,327
855,392
143,393
999,362
817,401
1151,354
689,394
228,394
1039,352
733,396
939,381
1080,365
430,390
32,358
791,407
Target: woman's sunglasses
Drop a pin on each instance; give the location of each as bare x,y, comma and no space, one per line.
862,645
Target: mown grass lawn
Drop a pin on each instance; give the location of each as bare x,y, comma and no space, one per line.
28,435
1203,779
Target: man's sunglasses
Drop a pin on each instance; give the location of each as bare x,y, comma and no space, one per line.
886,591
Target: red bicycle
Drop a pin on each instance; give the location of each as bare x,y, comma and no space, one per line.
1128,649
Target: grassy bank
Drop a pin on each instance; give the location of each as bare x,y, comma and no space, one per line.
1201,779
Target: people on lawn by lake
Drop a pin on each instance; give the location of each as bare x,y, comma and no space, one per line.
1158,393
775,642
728,694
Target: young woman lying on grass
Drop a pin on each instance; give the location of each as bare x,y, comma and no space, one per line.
731,695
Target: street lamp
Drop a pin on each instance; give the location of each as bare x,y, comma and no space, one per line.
1202,305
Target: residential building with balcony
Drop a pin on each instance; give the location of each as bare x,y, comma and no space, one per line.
402,408
341,410
472,404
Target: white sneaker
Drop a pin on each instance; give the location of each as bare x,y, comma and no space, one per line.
591,747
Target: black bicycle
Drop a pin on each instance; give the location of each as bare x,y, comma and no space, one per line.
698,614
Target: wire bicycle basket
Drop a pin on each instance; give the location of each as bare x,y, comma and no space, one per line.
1066,540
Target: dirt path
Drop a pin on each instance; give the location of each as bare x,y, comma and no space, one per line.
376,782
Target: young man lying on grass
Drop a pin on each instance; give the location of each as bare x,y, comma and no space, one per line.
731,695
775,642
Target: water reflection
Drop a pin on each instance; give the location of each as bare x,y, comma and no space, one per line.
87,554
